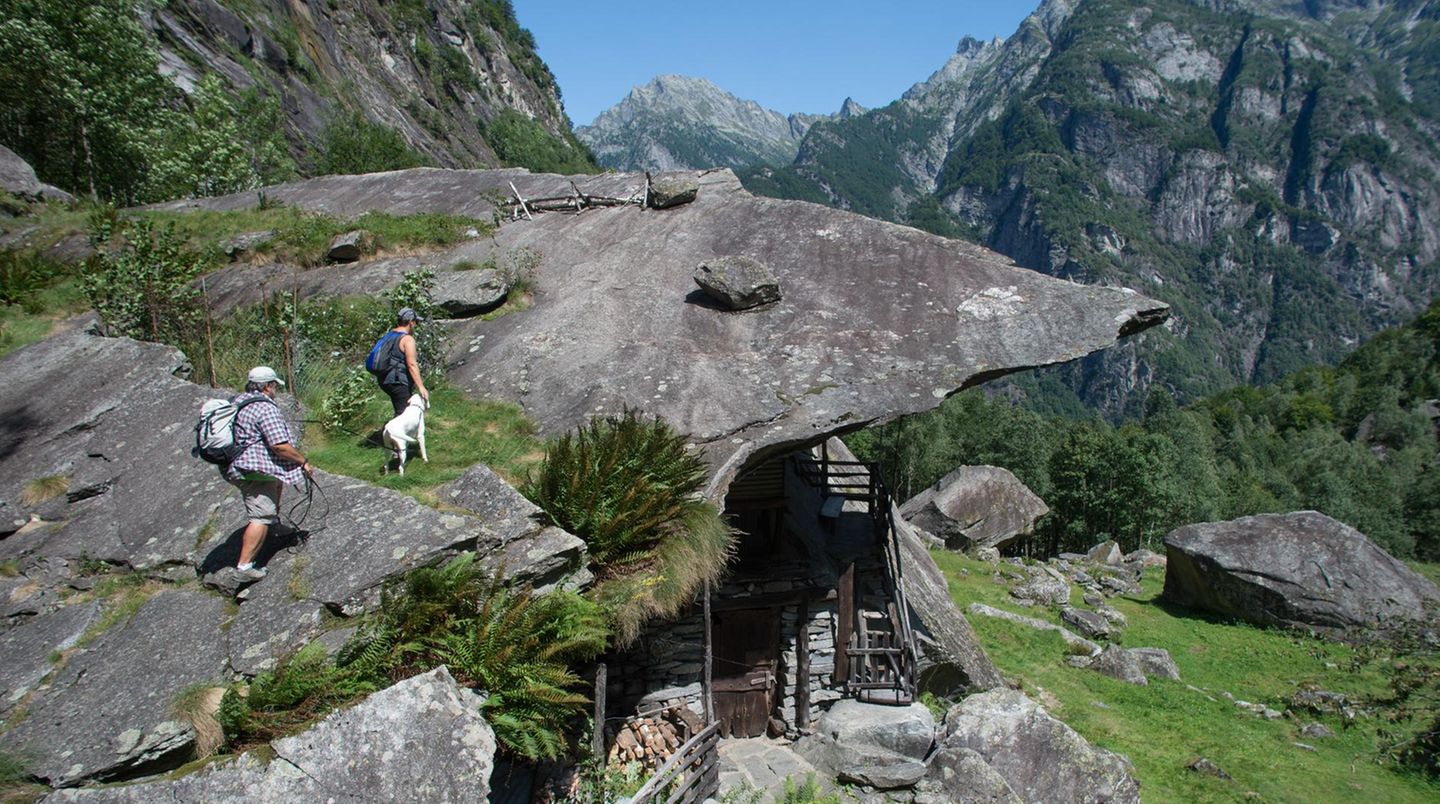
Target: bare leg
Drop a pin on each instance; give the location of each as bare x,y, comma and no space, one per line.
251,540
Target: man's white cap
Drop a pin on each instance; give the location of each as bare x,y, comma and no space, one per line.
264,374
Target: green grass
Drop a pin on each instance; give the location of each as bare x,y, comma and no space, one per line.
459,433
1163,726
24,324
303,237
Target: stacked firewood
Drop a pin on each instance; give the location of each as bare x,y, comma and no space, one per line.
651,740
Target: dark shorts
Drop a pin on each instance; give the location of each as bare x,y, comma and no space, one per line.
399,396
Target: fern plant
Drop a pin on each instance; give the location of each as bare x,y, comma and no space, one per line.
622,483
512,644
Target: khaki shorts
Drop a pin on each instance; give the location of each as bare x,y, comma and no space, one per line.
262,499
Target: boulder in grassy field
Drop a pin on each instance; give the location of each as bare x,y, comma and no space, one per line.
976,506
1300,570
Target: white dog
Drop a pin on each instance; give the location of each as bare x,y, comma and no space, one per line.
406,429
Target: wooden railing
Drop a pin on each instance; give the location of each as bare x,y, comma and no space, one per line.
690,775
880,660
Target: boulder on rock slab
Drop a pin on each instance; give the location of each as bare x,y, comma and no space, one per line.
462,294
673,188
976,506
109,711
423,739
543,560
1300,570
872,744
349,246
1039,757
737,283
487,495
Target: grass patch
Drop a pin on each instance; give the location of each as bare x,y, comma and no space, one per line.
302,237
459,433
38,316
123,596
10,568
44,489
1163,726
199,705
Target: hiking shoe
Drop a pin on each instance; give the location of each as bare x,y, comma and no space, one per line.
250,573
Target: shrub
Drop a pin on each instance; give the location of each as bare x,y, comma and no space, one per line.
513,644
143,288
344,407
23,275
352,144
622,483
416,291
278,702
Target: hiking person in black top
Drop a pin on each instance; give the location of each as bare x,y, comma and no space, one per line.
402,373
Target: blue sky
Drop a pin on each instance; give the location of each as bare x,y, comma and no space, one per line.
799,56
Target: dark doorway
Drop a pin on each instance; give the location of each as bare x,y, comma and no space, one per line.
747,652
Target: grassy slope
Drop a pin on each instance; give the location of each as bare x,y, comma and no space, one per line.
1163,726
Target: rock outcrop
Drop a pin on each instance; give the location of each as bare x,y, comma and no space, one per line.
916,316
976,506
423,739
1036,756
1301,570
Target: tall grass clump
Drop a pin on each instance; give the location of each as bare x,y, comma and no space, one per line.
514,645
622,483
629,487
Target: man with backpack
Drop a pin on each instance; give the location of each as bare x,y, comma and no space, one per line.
395,362
267,459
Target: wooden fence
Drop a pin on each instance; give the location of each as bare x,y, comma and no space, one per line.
690,775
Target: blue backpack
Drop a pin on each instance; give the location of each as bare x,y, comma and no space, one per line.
378,361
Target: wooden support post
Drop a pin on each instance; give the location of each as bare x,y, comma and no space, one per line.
707,687
598,738
845,622
802,667
521,201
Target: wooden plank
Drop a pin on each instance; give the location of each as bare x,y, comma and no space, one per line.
707,686
845,590
597,743
802,666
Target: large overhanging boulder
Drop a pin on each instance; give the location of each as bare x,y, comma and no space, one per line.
976,506
878,320
1302,570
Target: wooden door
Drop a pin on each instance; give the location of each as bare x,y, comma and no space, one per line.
747,652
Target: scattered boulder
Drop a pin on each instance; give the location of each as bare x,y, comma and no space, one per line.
424,739
1088,623
1144,559
1156,663
1316,731
737,283
1043,589
1039,757
348,247
989,555
976,506
1106,553
1120,663
243,245
673,188
881,746
1205,767
462,294
17,177
1300,570
1114,616
1074,641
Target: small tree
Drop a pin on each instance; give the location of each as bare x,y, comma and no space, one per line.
143,289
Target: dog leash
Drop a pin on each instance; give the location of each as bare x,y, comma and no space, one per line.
312,488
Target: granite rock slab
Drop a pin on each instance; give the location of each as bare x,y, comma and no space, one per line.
108,712
423,739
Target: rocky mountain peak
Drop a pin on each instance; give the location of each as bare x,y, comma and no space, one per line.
851,109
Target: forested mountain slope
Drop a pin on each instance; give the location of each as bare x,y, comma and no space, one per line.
1267,168
1357,442
137,101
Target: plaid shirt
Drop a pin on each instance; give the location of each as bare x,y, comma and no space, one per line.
260,427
